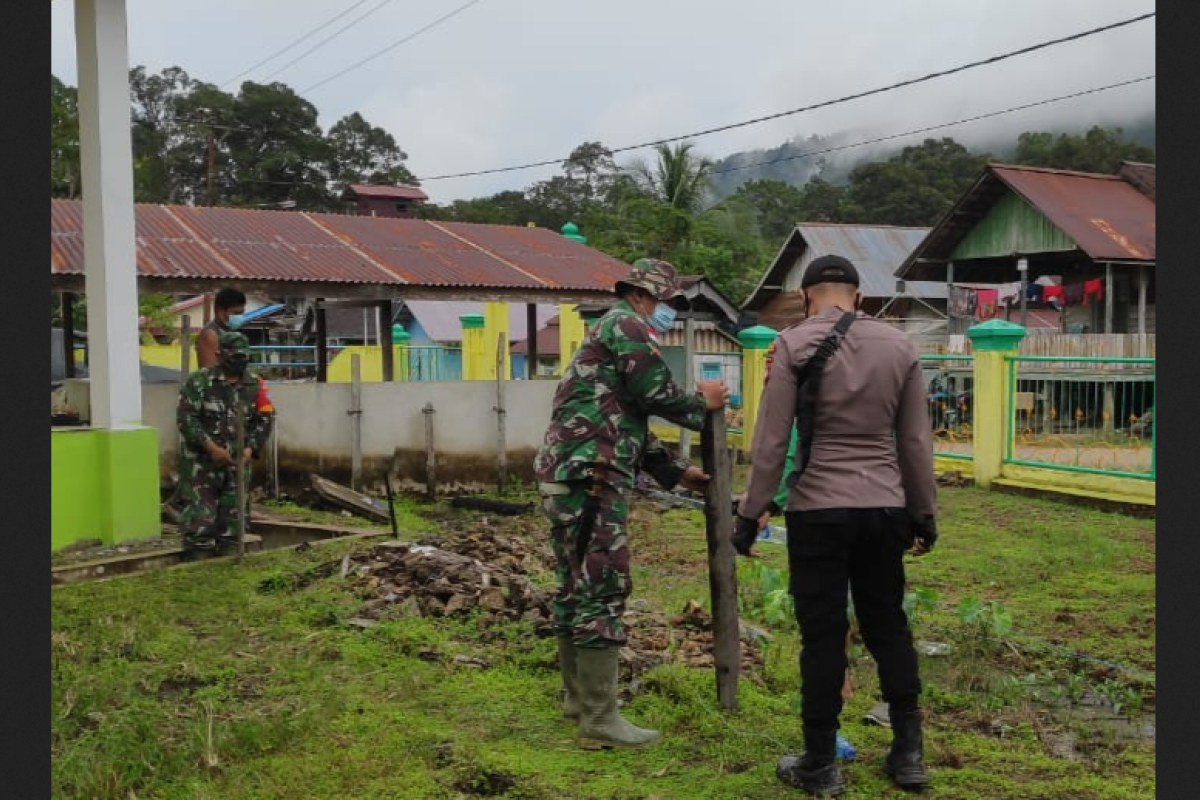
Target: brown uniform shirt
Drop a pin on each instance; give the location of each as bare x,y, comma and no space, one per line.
872,441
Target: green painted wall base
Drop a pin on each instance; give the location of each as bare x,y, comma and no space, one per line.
103,485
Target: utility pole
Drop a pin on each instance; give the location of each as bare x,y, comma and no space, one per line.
212,162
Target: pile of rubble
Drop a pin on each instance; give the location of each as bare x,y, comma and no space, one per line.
471,573
498,578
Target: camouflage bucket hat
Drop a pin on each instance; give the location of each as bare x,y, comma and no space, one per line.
233,342
659,278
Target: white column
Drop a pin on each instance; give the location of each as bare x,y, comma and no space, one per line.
106,155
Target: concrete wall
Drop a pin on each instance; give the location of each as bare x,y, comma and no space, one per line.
315,432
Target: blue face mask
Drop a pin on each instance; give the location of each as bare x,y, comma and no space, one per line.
236,321
662,318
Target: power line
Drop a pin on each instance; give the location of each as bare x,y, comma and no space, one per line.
823,104
392,46
329,38
826,150
295,42
810,153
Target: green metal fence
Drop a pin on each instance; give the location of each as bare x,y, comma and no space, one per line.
1082,414
949,382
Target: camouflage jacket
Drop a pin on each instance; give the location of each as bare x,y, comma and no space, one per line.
206,411
604,402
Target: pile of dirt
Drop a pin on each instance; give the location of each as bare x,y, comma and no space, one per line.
498,577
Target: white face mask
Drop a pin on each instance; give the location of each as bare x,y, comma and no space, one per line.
236,321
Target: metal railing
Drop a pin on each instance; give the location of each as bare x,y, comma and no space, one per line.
1082,414
950,381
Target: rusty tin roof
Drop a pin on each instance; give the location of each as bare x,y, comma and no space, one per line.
227,244
1106,217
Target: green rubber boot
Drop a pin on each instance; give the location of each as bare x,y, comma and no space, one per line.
601,724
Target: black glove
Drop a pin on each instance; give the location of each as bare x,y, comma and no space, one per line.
745,532
925,531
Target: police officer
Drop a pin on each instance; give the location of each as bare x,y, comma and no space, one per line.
863,495
597,441
209,403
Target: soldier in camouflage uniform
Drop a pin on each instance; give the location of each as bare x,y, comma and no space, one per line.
597,441
209,402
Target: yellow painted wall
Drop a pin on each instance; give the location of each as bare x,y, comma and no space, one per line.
670,433
164,355
1105,487
571,331
495,327
371,364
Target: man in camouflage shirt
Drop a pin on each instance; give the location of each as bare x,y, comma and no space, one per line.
597,441
209,402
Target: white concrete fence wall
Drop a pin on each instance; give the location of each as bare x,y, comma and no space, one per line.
313,419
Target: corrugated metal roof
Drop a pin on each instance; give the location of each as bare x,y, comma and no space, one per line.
1106,217
1142,177
287,246
565,263
876,251
401,192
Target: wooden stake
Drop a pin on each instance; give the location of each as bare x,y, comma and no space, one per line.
502,434
356,454
430,454
240,470
722,569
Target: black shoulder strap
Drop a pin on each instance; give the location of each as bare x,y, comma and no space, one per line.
808,387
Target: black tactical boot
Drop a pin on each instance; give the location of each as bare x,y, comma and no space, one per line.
817,771
905,763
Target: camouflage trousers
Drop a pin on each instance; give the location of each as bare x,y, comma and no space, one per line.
207,496
588,534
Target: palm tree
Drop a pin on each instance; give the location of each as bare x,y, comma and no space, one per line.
679,178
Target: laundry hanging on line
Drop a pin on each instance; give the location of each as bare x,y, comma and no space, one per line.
986,304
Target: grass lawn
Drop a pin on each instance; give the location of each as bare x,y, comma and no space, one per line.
247,680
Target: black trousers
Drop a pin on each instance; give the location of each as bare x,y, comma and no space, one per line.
860,550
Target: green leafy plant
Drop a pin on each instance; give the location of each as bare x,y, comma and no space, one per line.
1124,699
763,594
918,602
989,618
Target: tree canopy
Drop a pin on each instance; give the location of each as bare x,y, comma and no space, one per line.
724,219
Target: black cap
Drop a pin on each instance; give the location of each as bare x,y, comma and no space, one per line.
829,269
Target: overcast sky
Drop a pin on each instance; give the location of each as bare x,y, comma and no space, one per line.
507,82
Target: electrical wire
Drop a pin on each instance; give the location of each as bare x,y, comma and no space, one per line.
823,104
928,128
294,42
393,45
328,39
